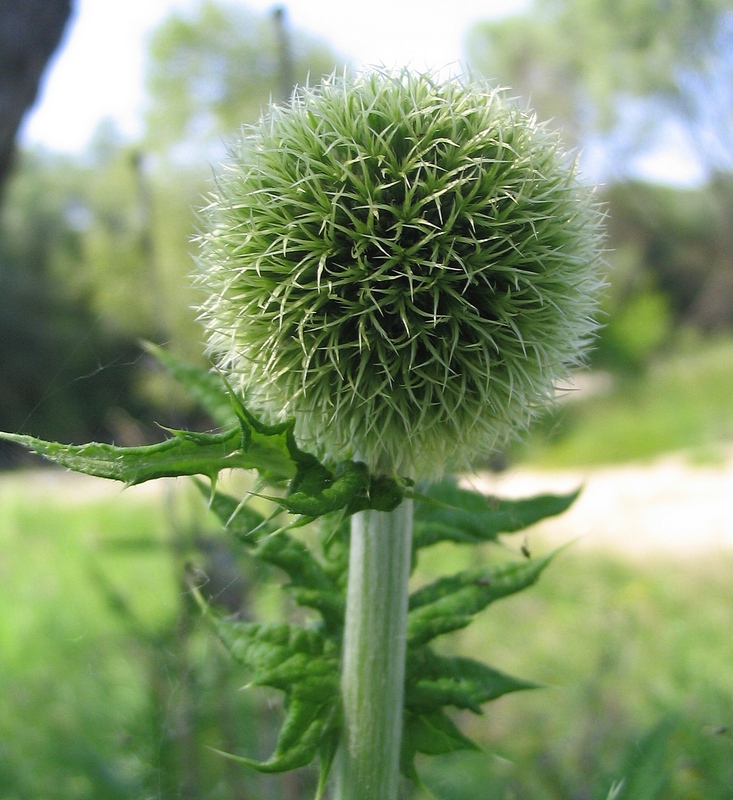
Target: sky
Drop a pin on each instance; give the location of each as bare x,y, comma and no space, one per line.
99,70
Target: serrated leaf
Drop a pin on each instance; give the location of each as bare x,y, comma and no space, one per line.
269,451
295,559
449,513
334,532
301,663
311,477
205,386
451,603
329,604
435,681
184,454
276,653
384,493
273,445
298,742
311,676
435,734
316,490
300,735
326,753
432,734
310,584
259,447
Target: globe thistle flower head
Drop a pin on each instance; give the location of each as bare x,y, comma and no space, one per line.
405,266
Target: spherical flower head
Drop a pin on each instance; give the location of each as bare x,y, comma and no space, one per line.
405,266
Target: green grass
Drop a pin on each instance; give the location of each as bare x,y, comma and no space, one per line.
636,659
75,695
684,402
111,687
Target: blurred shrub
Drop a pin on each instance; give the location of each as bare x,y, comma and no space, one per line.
636,330
61,369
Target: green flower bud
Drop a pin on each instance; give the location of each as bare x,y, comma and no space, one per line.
405,266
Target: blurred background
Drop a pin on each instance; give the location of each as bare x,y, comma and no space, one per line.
111,116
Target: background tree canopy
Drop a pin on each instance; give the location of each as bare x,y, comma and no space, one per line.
217,69
623,71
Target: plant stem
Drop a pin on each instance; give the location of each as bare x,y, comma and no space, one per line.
373,664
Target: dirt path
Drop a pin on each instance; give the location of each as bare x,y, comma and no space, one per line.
667,505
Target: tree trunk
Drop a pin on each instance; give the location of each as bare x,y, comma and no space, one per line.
30,32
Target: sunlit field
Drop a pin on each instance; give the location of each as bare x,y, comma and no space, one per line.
684,402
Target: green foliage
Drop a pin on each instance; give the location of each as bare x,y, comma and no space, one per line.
450,603
455,514
636,332
103,649
673,242
303,662
669,272
218,67
304,665
577,59
634,655
308,671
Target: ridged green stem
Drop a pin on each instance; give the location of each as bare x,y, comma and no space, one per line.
373,665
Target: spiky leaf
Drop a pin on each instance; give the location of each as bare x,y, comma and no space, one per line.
451,603
186,453
316,490
304,665
450,513
432,734
299,741
435,681
311,585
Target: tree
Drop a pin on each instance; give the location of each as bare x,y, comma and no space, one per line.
217,69
62,366
623,71
30,31
208,73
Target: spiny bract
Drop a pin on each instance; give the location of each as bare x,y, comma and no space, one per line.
406,266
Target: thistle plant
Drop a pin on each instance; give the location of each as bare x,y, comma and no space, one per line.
396,273
406,268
